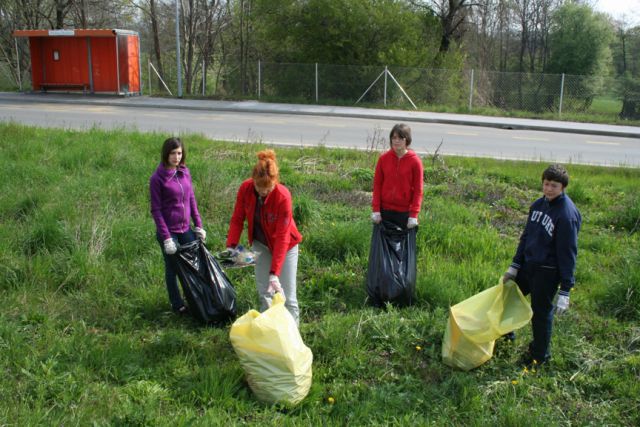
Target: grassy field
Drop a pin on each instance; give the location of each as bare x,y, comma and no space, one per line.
87,336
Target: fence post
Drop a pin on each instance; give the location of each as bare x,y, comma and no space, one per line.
385,85
259,80
203,79
471,91
316,82
561,96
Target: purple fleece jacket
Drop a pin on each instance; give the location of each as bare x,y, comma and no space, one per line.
172,201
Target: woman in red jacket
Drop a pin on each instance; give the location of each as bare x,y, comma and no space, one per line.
397,183
397,196
266,206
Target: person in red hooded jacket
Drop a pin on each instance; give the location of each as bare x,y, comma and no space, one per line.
397,183
266,206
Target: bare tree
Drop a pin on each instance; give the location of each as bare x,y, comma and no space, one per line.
149,9
452,14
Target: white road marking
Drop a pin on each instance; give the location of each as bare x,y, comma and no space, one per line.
530,138
462,133
603,143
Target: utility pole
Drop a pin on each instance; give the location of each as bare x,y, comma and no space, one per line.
178,49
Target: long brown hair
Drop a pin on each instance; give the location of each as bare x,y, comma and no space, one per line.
169,145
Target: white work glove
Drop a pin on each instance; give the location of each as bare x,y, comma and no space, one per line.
510,274
376,217
412,222
202,235
274,285
170,247
562,304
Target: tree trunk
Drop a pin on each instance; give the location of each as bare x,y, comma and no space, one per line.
153,15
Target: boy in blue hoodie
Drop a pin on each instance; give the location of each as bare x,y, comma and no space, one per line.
546,258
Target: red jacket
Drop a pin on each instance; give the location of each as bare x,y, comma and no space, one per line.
397,183
277,221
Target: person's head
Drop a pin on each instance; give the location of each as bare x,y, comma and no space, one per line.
173,153
555,179
400,137
265,173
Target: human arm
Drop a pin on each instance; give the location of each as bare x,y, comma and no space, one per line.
195,214
281,233
567,251
155,193
238,217
378,179
417,183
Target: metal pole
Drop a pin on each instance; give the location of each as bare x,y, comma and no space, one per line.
259,80
203,80
117,65
370,86
159,77
139,65
18,64
90,60
471,91
149,68
401,89
179,63
316,82
385,85
561,96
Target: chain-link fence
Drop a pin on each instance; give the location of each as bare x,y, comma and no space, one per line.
555,95
433,89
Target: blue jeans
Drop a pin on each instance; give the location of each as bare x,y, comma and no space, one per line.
170,269
542,283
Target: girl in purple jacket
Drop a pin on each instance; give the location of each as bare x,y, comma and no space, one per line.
173,205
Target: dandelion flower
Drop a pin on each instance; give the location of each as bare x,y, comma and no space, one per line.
331,400
514,382
418,348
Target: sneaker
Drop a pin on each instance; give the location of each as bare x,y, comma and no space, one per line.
531,363
511,336
182,311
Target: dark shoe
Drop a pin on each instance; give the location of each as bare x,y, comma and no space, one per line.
531,363
511,336
182,311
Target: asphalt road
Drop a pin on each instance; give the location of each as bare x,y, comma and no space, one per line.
332,131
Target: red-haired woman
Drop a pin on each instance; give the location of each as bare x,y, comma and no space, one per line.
266,206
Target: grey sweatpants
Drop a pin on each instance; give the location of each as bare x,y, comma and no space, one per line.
287,278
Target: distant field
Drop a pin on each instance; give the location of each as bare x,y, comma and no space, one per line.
87,337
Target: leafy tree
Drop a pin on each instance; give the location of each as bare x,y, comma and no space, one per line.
579,41
627,60
340,32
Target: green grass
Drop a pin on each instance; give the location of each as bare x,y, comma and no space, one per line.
87,337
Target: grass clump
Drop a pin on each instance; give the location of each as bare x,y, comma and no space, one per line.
87,335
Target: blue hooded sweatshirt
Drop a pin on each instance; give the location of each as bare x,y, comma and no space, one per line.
550,238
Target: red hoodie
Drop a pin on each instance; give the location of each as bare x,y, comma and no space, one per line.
397,184
277,221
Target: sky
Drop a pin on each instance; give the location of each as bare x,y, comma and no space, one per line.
617,8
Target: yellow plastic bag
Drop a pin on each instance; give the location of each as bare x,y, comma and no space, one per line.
475,324
275,360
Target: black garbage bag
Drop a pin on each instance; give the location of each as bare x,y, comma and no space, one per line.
391,276
210,296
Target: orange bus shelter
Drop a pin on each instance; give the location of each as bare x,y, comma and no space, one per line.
93,61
